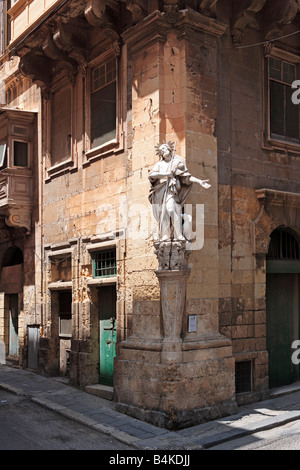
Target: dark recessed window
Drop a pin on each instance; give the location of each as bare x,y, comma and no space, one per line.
65,313
103,103
284,114
243,376
61,126
20,154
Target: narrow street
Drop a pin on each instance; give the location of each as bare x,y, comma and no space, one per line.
27,426
285,437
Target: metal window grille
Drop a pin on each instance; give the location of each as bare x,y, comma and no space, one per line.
243,376
283,246
105,263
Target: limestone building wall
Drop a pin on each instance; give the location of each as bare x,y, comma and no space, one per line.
182,75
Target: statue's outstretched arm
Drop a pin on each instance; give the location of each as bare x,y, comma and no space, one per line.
204,183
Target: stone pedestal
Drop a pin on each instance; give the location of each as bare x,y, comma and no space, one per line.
173,289
172,274
175,381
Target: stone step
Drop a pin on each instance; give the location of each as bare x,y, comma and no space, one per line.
103,391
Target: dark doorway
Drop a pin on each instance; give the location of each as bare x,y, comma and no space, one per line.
282,302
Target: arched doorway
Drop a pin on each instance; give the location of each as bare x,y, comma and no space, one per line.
282,305
11,284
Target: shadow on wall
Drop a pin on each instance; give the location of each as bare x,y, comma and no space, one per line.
2,353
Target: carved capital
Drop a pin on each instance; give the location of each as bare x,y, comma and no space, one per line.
268,47
171,8
172,255
237,37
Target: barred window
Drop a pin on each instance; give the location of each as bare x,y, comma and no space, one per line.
283,246
105,263
243,376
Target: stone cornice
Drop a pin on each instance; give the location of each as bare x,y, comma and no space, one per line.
149,30
156,26
195,21
278,198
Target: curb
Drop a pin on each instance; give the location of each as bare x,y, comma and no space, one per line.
264,425
200,443
80,418
15,390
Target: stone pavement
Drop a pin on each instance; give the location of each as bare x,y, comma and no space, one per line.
100,414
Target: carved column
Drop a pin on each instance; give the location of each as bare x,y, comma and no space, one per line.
172,274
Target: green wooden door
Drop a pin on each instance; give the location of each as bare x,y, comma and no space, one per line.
108,334
282,326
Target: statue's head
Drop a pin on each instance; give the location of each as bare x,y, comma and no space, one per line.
165,149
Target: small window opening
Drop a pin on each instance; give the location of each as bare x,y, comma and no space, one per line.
20,154
105,263
243,376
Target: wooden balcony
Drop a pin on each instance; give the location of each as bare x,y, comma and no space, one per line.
16,174
24,15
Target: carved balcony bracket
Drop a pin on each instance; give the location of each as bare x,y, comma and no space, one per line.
37,67
268,16
277,15
104,14
55,54
71,39
19,217
245,17
209,7
138,9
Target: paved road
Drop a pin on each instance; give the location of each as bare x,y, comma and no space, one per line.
285,437
27,426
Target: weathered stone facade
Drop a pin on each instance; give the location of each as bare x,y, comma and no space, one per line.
194,73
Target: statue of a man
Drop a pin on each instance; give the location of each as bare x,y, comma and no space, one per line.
171,184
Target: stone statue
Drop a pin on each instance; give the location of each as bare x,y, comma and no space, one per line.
171,183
